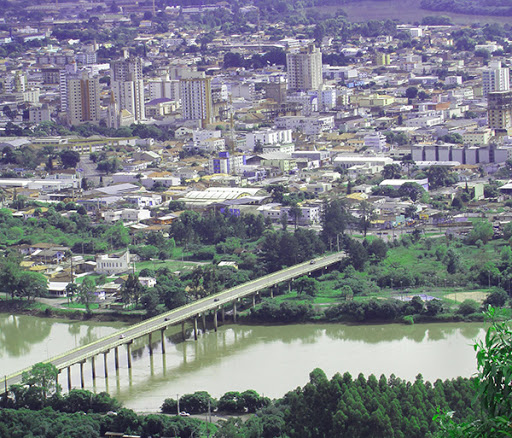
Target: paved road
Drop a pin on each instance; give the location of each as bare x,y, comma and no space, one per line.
181,314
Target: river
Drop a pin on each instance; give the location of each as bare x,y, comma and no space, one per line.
269,359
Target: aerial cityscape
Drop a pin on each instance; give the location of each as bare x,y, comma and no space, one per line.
256,219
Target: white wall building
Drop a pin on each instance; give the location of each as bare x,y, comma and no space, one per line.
495,78
268,137
312,125
112,264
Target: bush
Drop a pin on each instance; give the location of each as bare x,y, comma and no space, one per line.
197,403
169,406
467,307
497,298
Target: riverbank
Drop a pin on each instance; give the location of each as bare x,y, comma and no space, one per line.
22,307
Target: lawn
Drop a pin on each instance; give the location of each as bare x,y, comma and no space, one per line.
173,265
92,306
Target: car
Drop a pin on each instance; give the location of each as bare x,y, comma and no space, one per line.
121,337
166,319
215,299
312,262
184,414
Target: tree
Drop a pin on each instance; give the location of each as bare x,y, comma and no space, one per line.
482,230
452,261
232,402
439,176
86,293
497,298
367,215
69,158
32,284
197,403
131,290
391,171
306,285
411,92
494,390
467,307
296,214
43,376
334,221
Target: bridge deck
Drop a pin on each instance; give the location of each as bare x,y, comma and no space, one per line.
180,314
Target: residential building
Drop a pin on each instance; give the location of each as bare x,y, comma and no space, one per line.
477,137
304,69
196,98
499,112
312,125
226,163
375,141
267,137
128,86
83,91
495,78
164,87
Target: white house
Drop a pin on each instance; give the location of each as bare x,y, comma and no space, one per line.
112,264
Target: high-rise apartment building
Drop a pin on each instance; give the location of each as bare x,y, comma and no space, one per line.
499,112
128,86
495,78
196,97
83,98
68,71
164,88
304,69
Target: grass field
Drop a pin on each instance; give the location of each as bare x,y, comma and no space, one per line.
173,265
409,11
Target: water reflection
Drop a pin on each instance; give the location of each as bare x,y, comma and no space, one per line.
19,333
25,340
274,359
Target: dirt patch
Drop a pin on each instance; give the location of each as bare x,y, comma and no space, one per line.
459,297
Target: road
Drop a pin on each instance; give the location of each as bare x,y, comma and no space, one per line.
181,314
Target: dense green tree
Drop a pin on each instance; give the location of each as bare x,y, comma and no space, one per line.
482,230
86,292
69,158
334,222
306,285
132,289
391,171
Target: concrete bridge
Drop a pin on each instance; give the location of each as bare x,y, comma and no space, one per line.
195,311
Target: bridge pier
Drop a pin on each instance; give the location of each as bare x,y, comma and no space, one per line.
254,300
223,315
82,381
183,334
116,353
162,334
234,311
215,321
195,328
69,378
105,363
93,366
271,291
150,346
129,353
203,322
